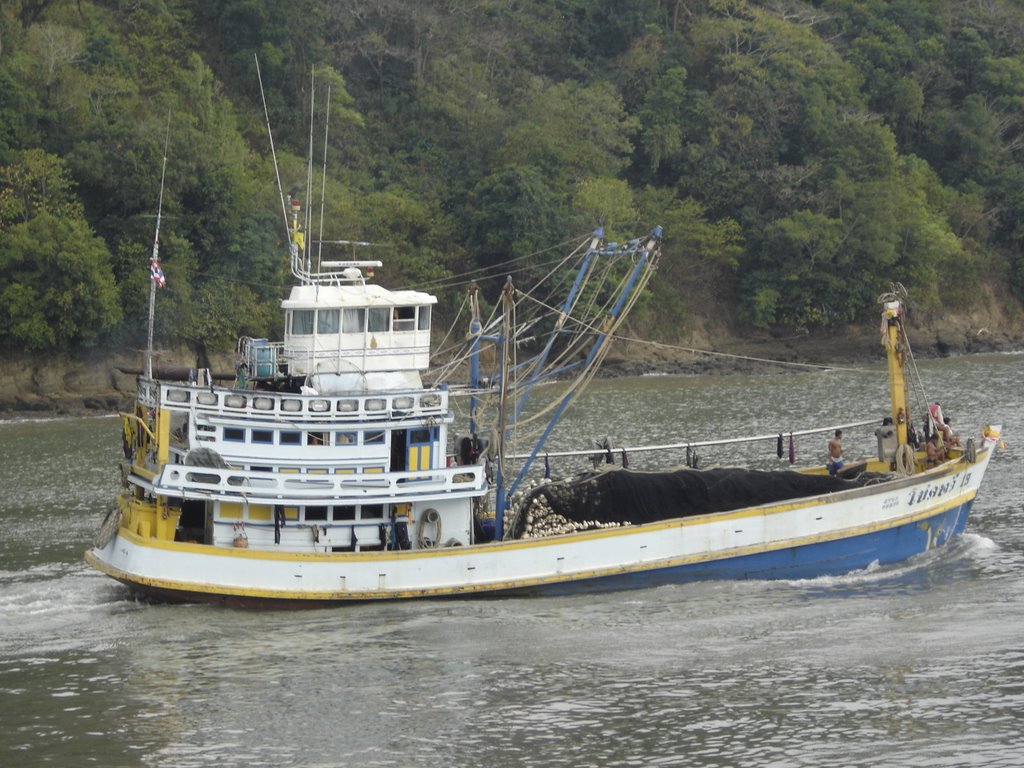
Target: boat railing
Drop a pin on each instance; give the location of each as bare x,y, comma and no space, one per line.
257,487
257,404
265,360
260,356
705,443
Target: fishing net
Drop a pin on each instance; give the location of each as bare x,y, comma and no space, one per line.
624,497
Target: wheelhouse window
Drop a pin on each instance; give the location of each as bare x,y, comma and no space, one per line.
373,438
291,438
353,321
302,322
264,436
424,319
234,435
404,319
327,320
378,319
317,438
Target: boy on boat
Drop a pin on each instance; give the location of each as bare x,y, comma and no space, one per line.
835,453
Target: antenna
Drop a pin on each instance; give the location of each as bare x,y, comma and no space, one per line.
309,162
323,181
273,152
155,258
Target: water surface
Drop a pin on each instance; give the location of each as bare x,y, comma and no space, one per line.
921,664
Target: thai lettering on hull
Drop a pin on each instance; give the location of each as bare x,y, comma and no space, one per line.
935,490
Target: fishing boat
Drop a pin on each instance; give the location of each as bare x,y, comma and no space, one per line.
330,471
331,468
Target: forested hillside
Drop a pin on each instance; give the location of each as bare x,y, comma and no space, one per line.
800,155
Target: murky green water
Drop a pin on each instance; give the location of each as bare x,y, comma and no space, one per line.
918,665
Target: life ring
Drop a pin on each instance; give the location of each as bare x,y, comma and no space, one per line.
428,517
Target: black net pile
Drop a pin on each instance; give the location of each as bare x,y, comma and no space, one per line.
623,497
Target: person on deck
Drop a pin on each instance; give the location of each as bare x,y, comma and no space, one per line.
949,437
934,450
835,453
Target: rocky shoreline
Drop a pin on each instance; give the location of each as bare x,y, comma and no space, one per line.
100,384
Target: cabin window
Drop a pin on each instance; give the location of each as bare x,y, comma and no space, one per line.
302,322
343,513
420,436
373,438
327,320
424,319
371,512
264,436
345,438
404,319
316,513
317,438
291,438
354,321
378,319
234,434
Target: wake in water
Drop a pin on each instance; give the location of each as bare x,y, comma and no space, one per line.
965,551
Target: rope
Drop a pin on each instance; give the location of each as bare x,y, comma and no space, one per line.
905,460
971,451
705,443
433,517
711,353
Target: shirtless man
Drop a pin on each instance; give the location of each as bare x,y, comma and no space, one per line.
934,451
835,453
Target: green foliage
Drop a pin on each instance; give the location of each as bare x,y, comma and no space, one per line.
38,183
58,288
219,312
800,155
571,133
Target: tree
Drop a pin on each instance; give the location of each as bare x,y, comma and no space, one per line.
59,290
571,132
37,183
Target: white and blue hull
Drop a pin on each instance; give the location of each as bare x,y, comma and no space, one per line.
805,538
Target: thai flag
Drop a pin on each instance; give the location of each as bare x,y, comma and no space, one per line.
156,274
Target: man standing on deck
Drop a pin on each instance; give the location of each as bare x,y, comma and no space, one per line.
835,453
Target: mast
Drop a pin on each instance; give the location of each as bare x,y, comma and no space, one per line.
892,340
156,275
507,298
475,330
644,252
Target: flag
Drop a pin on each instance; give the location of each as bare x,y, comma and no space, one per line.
156,274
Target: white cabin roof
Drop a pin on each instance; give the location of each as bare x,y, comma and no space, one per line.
371,295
